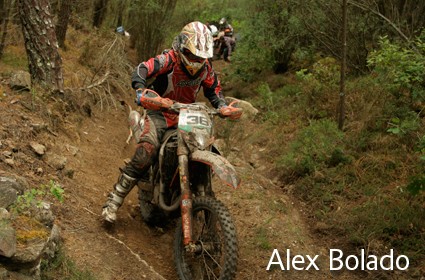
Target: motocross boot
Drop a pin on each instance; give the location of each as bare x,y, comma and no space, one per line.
115,199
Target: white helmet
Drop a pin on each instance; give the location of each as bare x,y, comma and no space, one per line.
214,30
194,45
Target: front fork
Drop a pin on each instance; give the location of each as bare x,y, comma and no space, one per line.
186,194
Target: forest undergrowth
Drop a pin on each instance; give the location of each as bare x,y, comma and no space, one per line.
361,187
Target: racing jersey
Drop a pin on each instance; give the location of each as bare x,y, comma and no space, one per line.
172,81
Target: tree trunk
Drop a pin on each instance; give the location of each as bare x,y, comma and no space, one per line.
99,12
63,19
341,105
121,7
44,61
5,7
144,35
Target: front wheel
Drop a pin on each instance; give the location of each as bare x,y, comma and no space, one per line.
214,233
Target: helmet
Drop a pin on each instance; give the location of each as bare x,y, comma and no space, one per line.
214,30
194,45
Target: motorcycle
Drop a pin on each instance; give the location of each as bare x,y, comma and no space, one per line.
180,186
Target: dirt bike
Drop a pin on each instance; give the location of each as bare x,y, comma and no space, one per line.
180,185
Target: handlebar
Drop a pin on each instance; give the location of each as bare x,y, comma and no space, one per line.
177,106
150,99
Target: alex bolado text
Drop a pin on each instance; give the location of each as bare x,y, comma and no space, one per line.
338,261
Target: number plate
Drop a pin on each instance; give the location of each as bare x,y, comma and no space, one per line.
188,120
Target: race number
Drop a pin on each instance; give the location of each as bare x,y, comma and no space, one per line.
194,119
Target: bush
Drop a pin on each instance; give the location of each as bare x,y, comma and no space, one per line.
35,197
401,69
316,146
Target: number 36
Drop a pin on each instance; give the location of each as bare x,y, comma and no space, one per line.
193,120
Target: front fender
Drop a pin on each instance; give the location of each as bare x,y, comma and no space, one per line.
221,166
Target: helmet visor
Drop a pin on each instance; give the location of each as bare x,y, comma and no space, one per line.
191,57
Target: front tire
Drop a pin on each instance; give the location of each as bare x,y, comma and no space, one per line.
214,231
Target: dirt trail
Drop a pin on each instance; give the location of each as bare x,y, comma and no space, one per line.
265,218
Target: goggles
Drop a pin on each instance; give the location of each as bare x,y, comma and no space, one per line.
191,57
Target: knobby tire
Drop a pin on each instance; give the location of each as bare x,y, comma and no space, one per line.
213,228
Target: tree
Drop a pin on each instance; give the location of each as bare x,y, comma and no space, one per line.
99,14
146,17
121,7
62,23
5,7
44,61
341,105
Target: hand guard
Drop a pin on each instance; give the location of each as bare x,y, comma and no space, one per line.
152,101
231,112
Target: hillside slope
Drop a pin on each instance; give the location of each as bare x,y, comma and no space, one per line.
90,132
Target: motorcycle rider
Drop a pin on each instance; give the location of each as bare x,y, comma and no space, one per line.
225,27
227,46
179,75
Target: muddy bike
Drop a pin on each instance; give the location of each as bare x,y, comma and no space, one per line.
180,186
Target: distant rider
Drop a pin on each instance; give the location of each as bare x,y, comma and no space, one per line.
227,46
225,27
179,75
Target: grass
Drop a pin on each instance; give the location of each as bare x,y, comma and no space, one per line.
14,58
64,268
261,239
29,229
359,191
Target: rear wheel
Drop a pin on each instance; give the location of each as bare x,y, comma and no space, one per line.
214,235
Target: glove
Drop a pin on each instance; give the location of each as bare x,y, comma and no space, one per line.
230,112
152,101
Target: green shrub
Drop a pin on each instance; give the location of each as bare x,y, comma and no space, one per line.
390,218
35,197
401,69
416,184
327,70
405,125
316,146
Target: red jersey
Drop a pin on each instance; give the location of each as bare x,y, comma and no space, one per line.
172,81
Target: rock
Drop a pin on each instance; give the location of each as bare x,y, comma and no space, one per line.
44,214
7,239
72,149
322,227
249,111
3,273
9,190
7,196
56,161
38,148
28,240
39,127
4,214
9,161
53,243
21,80
7,154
